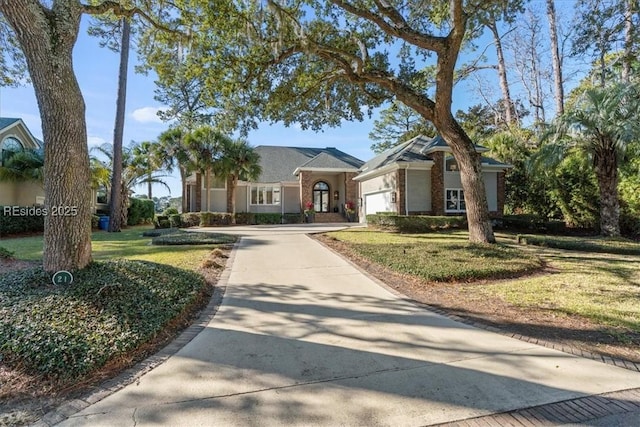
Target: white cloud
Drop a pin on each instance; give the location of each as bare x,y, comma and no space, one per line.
94,141
147,114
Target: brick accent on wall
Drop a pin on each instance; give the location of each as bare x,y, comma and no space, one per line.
306,188
437,183
351,189
198,192
501,194
401,199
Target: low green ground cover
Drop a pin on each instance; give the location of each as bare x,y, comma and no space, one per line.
126,297
179,237
601,287
439,257
583,244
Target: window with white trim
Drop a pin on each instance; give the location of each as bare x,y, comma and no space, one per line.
454,200
8,148
265,195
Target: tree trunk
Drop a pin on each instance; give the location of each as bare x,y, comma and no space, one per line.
207,189
606,165
124,208
475,197
116,202
183,180
232,183
198,192
149,188
502,74
628,40
47,42
555,57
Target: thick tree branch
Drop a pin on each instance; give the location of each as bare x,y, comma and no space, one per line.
121,11
404,32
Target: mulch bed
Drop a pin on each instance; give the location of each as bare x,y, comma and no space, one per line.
462,300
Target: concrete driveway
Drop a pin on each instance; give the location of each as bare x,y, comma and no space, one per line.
304,338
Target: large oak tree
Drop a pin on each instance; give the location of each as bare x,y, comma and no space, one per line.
317,63
46,32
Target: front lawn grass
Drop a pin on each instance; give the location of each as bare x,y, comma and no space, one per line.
439,257
603,288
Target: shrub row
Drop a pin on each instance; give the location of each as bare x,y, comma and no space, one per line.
140,211
415,223
532,223
10,224
582,244
212,219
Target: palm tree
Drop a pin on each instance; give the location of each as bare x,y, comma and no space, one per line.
239,161
24,165
133,174
204,147
174,152
603,123
147,156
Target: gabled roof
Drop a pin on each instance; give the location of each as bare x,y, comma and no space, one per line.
6,122
416,149
279,164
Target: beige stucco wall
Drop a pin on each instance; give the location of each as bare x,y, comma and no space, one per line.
241,199
217,200
452,180
291,199
379,183
19,193
418,190
491,186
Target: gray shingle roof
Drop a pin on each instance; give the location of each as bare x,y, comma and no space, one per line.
279,163
414,150
6,122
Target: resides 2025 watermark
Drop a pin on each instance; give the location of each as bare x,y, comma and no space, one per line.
40,211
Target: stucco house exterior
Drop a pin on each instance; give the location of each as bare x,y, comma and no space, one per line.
291,177
15,136
421,177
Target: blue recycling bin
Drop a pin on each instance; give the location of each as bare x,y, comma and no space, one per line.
104,223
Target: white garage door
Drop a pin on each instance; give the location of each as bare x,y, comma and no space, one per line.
379,202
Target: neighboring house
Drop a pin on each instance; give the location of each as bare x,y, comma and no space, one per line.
421,177
291,177
15,136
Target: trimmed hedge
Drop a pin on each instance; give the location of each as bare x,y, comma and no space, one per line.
268,218
292,218
161,221
211,219
140,211
190,219
247,218
532,223
415,223
192,238
582,244
20,224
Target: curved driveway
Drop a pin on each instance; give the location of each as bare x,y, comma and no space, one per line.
303,338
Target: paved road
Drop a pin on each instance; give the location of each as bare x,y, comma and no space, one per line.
304,338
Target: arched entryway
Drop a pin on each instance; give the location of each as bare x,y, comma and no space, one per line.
321,196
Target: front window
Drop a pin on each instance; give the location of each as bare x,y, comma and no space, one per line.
454,200
265,195
8,148
451,165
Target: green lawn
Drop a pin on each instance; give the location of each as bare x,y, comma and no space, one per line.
129,244
603,287
439,257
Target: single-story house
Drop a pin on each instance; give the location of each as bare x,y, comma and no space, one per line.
421,177
291,177
15,136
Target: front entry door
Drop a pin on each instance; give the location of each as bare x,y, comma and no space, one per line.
321,197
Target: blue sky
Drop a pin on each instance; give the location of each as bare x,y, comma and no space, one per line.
97,72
